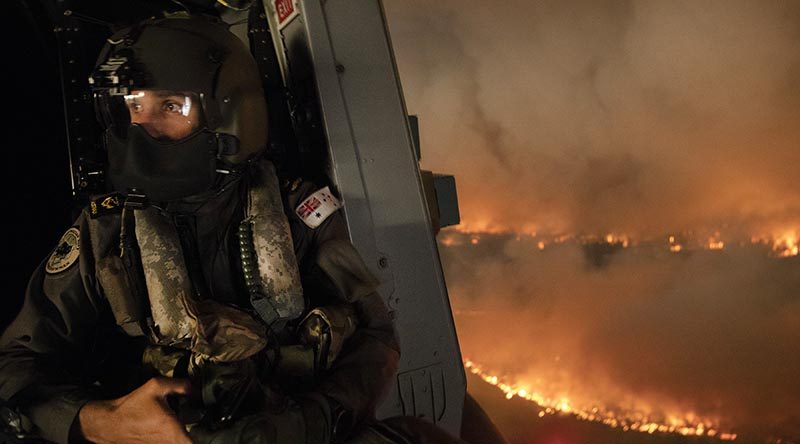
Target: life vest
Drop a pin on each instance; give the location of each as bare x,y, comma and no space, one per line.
150,291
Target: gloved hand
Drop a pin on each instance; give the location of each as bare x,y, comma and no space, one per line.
303,420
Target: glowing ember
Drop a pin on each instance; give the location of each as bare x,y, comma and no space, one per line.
563,238
617,239
448,241
627,421
715,242
674,246
786,245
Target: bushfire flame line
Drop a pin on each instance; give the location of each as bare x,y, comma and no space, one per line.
619,420
782,245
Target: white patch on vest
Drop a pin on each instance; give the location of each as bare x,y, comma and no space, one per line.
66,253
317,207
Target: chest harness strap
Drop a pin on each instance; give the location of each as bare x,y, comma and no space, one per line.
209,329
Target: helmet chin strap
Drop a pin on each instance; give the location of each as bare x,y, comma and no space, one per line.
227,145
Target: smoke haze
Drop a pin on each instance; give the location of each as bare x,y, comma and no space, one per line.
644,118
596,116
710,333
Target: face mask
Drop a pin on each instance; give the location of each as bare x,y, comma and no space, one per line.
161,170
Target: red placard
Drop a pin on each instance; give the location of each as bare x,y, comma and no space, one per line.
285,10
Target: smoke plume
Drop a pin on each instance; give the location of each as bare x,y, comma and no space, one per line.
593,116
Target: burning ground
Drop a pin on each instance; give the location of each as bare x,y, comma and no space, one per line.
650,337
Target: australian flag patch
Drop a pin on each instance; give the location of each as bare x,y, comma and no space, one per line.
317,207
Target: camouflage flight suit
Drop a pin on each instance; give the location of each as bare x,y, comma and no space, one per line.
66,348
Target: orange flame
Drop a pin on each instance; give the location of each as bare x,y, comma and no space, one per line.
627,421
674,246
785,244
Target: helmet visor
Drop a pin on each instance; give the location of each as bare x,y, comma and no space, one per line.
167,116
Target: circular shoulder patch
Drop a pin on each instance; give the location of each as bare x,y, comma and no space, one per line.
66,253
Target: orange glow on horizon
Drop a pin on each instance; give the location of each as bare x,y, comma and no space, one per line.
782,244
